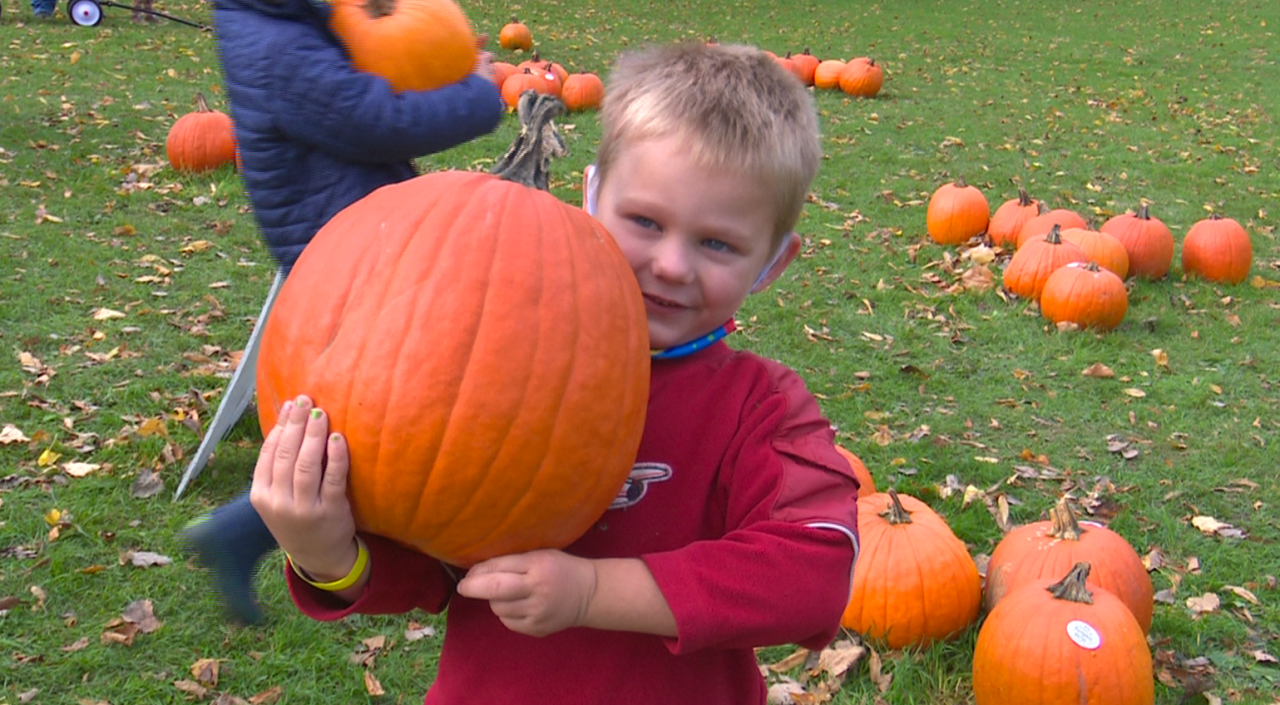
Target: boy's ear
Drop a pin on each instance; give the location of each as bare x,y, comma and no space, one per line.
787,253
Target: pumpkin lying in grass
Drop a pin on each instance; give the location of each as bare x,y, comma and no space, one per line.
915,582
201,140
866,483
1063,643
492,400
1146,238
1035,260
1217,249
1085,295
1045,549
515,36
1009,218
957,212
416,45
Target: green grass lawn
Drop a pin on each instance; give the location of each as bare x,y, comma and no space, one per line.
128,290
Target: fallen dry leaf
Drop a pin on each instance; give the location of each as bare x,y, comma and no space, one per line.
145,559
191,688
1099,371
794,660
372,685
838,658
205,671
1135,392
141,613
106,314
11,434
1210,526
1242,593
268,696
77,469
1208,602
416,631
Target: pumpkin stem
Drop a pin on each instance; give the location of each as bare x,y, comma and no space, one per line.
960,182
1055,235
1042,208
377,9
1065,525
526,160
1072,587
895,514
1143,212
202,106
1024,200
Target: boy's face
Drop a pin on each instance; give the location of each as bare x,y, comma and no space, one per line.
697,239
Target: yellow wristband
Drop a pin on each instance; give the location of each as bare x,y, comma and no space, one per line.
362,561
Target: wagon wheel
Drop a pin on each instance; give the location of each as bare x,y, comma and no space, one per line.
86,13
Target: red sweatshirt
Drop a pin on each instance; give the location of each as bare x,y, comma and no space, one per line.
738,504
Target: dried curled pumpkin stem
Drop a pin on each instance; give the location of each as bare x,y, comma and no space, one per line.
1024,199
526,160
1065,525
895,514
1072,587
377,9
202,105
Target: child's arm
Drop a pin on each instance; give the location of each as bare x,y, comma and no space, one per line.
543,592
326,102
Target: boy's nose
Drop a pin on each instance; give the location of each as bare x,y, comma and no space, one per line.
671,260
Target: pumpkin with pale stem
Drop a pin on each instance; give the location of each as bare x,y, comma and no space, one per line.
524,80
914,582
1063,643
1009,218
862,78
1086,295
1146,238
1217,249
1045,549
1031,265
957,212
1040,224
1100,247
515,36
416,45
201,140
483,347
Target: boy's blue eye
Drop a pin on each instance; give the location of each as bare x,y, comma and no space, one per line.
717,245
643,221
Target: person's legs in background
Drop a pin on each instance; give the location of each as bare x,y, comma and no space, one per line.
231,542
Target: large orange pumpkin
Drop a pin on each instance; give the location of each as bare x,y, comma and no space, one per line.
1039,225
1086,295
582,91
201,140
806,66
484,348
1009,218
1100,247
827,74
515,36
1062,643
1031,265
862,77
1146,238
957,212
1046,549
415,44
1217,249
915,582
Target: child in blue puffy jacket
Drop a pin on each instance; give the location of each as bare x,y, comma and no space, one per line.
314,135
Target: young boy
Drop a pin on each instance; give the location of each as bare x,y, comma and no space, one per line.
744,531
314,135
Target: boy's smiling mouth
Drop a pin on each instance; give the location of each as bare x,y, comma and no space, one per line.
664,303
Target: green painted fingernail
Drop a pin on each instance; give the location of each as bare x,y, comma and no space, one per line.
316,413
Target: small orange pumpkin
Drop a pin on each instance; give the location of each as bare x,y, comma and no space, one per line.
1009,218
582,91
1044,549
1100,247
1038,226
502,70
1217,249
1146,238
1061,643
201,140
827,75
490,406
866,483
415,44
1086,295
1031,265
515,36
862,78
957,212
521,81
806,65
915,582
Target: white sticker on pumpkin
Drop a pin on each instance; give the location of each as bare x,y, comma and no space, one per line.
1084,635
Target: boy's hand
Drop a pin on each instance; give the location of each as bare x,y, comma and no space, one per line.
536,593
302,495
484,65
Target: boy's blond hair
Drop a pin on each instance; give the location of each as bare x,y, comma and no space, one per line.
734,106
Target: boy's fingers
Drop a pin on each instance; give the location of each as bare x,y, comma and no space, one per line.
334,484
285,458
266,455
309,468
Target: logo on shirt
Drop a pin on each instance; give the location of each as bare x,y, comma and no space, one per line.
637,484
